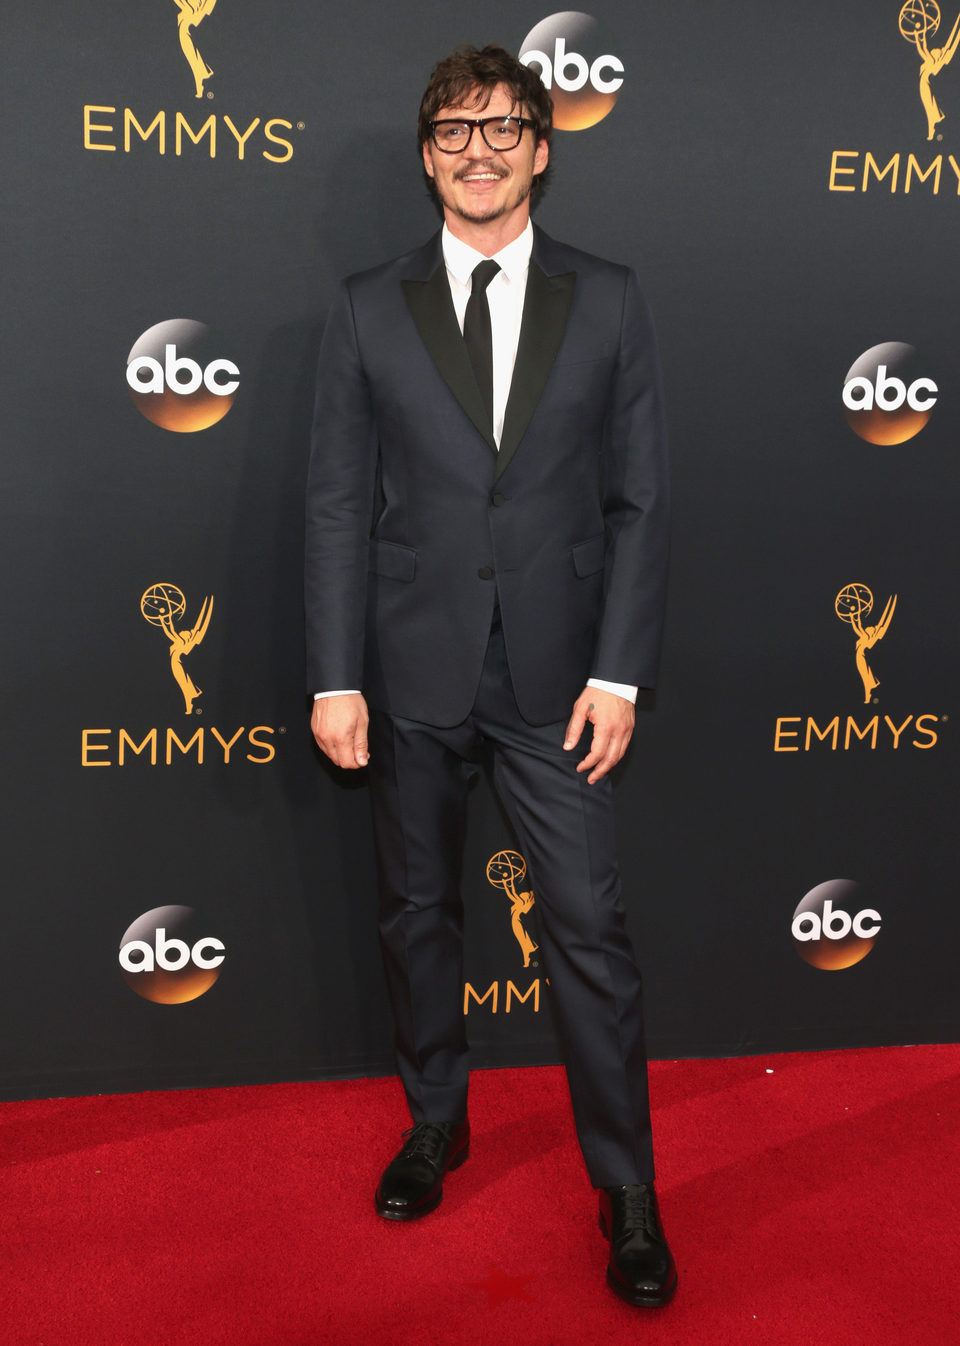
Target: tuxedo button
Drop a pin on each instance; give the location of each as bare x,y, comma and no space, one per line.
499,499
485,573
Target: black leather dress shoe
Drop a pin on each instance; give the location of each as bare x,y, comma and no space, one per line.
641,1268
412,1183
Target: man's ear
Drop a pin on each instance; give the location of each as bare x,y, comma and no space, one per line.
427,159
541,157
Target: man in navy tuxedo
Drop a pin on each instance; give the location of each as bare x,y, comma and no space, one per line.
485,571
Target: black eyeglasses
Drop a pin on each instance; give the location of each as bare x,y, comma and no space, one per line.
452,136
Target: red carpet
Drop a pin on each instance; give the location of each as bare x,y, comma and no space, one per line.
814,1204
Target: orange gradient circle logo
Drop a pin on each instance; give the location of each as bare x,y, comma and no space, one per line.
887,397
830,929
178,376
573,54
168,956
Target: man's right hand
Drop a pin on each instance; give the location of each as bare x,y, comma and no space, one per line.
339,725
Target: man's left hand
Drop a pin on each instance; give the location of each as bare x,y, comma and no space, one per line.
612,718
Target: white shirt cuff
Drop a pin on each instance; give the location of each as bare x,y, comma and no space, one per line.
624,689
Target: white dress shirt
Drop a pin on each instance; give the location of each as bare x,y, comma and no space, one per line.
505,295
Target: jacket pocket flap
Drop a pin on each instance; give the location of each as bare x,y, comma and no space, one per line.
392,559
588,555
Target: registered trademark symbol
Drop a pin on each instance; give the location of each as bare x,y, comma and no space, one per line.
944,718
534,964
939,137
301,126
198,711
282,729
209,94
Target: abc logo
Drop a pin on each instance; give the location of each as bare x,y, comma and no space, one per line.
572,52
830,929
166,957
886,398
178,378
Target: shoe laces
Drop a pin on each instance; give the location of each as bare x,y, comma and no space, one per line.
639,1211
426,1138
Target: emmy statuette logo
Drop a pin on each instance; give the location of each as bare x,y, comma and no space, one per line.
166,956
853,603
920,20
507,870
111,128
573,55
163,605
893,171
872,730
191,14
830,930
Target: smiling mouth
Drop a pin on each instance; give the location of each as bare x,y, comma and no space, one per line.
480,175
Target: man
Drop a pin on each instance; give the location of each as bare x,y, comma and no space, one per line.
486,554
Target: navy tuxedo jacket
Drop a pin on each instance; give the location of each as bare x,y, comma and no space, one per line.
416,524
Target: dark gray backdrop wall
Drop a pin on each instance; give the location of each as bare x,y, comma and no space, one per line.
767,171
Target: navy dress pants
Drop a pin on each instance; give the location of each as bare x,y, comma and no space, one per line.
419,777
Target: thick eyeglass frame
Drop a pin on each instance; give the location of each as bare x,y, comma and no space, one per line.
482,123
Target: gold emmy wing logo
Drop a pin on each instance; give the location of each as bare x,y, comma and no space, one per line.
853,603
866,731
507,870
919,20
192,13
163,605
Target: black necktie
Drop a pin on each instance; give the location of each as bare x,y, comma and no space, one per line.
477,333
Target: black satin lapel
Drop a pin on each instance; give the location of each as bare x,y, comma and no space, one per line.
432,310
546,306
